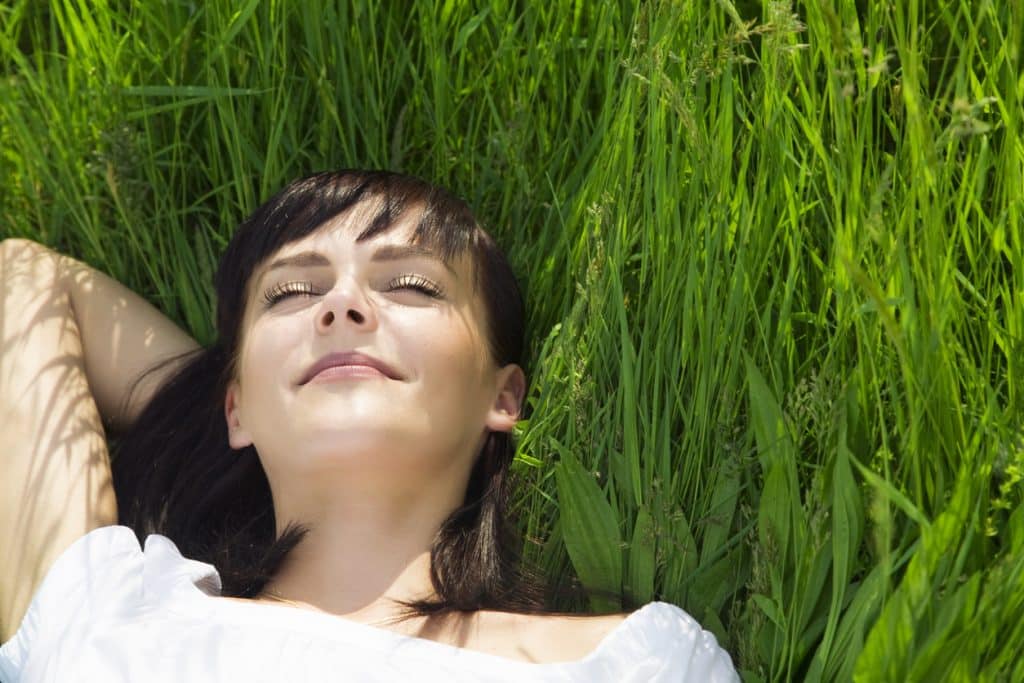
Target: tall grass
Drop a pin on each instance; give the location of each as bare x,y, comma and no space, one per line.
774,257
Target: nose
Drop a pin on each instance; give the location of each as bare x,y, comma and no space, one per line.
345,305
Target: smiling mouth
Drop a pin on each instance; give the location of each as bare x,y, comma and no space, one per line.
347,372
348,365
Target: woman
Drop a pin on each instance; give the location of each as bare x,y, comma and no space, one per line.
320,493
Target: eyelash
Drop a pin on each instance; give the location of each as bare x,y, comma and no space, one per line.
287,289
417,283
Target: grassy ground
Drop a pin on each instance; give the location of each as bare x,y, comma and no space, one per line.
774,255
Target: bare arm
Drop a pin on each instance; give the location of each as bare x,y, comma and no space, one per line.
72,343
122,337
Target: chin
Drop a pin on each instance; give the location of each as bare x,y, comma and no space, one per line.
334,446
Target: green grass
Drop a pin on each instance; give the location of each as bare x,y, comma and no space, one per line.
773,255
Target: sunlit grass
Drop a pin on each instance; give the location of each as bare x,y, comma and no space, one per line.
773,256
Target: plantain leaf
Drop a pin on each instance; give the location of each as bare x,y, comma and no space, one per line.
719,517
641,557
773,440
591,531
847,513
780,498
771,610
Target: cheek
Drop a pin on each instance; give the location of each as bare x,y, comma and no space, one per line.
451,355
265,349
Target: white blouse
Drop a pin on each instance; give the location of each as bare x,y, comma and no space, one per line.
110,611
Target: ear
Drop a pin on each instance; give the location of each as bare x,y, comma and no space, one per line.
238,437
508,402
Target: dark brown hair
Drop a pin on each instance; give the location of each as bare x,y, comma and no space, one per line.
176,475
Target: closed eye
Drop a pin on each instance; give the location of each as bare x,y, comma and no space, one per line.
416,283
284,290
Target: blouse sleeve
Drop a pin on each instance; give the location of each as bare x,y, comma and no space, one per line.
686,651
79,580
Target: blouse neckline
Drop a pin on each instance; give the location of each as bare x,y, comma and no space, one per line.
334,627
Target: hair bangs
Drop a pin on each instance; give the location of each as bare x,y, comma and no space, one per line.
445,225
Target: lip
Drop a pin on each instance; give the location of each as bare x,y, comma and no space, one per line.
345,359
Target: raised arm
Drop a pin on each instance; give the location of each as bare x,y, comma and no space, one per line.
122,337
72,344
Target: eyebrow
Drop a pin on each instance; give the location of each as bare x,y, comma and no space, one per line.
305,259
397,252
387,252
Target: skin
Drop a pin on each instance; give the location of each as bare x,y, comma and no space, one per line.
74,341
373,464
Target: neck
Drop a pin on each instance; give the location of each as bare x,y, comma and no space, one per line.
366,548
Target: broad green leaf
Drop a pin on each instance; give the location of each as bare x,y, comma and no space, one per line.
847,523
684,551
774,518
628,404
641,557
772,437
771,610
714,583
590,528
812,612
718,521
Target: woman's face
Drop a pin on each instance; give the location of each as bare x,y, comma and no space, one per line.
366,357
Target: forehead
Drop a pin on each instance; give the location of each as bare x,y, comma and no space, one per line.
355,226
361,228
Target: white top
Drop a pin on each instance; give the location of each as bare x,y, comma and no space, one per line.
110,611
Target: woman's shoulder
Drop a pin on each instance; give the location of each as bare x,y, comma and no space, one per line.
660,634
108,566
78,586
89,560
102,546
543,638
